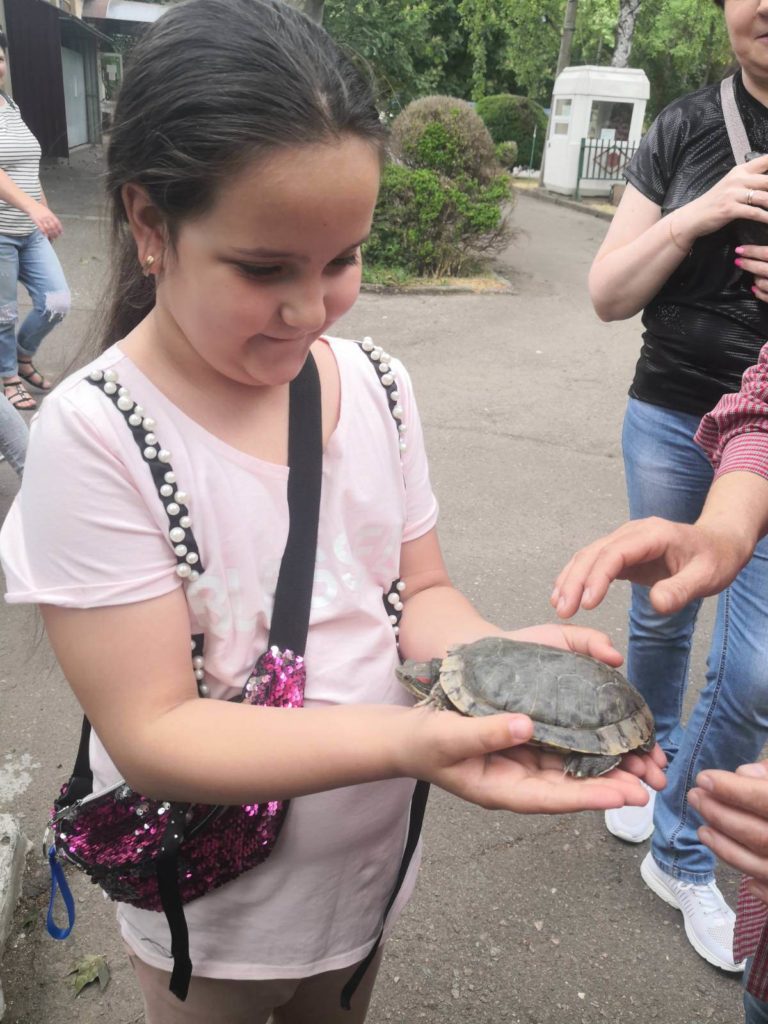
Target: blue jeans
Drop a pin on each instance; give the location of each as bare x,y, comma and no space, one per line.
669,476
755,1010
14,435
31,260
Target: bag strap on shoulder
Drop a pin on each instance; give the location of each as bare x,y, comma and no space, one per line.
737,133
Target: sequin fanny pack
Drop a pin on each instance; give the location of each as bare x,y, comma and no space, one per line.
159,855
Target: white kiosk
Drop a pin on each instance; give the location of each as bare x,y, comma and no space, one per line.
595,126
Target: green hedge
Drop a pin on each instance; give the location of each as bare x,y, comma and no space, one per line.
432,225
446,135
513,119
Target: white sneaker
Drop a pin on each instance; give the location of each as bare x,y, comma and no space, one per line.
632,824
708,919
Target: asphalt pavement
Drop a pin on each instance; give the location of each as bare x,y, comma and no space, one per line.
542,920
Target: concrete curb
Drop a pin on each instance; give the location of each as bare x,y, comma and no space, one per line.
490,284
571,204
14,847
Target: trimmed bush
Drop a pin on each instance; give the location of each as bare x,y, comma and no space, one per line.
434,226
439,133
513,119
507,154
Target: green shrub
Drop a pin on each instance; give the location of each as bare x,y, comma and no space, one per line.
507,154
434,226
514,118
439,133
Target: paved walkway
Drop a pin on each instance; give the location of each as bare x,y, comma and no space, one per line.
516,919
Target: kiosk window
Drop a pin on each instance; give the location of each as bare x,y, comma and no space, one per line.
610,121
561,117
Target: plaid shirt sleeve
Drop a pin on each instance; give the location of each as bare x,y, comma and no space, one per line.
750,938
734,435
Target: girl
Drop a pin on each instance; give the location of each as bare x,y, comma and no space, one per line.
243,169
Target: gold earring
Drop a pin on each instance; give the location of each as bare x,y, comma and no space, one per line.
147,264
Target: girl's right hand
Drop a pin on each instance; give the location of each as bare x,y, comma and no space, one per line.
726,201
485,761
45,220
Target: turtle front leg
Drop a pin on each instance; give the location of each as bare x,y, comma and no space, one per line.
587,766
436,699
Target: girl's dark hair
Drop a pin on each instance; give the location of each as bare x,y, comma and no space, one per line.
3,41
212,85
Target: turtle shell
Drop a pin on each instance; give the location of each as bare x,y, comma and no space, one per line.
576,702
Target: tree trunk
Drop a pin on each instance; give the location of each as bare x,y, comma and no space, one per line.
312,8
624,31
569,27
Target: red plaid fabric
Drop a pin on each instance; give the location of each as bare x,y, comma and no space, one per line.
750,938
735,434
735,438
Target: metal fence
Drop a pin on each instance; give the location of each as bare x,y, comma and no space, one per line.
600,160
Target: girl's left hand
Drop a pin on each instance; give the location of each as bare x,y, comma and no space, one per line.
754,260
487,761
578,639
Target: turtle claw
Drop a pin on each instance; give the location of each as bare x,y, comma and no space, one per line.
589,766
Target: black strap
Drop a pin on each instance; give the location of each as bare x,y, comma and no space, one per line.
380,361
293,596
290,615
81,781
290,618
418,806
167,873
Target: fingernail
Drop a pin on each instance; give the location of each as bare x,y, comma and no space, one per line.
694,798
519,728
587,595
703,781
739,249
705,836
737,262
753,289
561,603
554,596
754,771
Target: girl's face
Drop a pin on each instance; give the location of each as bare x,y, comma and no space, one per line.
747,22
251,284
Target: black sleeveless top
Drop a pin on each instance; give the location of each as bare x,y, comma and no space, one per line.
704,327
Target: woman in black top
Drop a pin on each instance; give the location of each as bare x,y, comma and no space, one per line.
673,251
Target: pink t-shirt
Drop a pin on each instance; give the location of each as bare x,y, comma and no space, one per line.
88,529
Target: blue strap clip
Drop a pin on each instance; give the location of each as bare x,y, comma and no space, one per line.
58,881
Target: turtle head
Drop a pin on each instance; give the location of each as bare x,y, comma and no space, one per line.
419,676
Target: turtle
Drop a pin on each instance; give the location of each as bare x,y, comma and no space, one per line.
581,707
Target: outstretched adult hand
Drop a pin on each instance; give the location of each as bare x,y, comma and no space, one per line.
734,806
678,562
486,761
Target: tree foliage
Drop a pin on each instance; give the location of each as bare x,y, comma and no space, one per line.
518,119
476,48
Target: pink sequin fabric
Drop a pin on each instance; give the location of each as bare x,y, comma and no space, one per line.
117,837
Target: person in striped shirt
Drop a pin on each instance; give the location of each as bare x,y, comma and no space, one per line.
683,562
27,228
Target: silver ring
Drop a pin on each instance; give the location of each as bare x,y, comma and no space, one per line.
750,193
